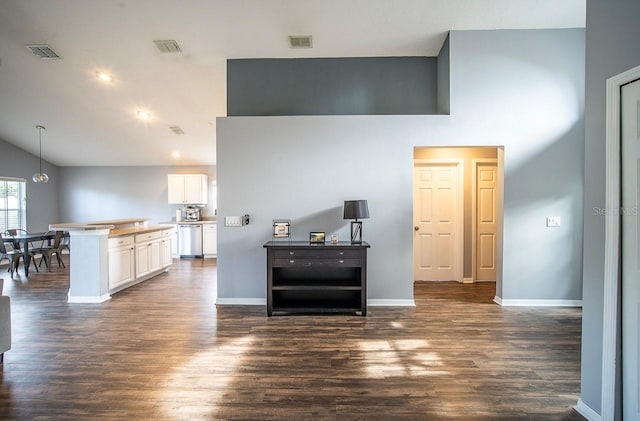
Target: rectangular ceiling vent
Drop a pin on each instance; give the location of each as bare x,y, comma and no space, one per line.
43,51
300,41
167,45
176,129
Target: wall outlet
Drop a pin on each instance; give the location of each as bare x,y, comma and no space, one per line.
553,221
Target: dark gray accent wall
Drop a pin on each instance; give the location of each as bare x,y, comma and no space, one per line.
103,193
331,86
611,48
42,199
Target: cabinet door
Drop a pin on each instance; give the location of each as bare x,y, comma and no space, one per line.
167,253
210,239
121,266
142,260
155,255
195,188
175,188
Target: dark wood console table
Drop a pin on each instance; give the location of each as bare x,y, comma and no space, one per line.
316,278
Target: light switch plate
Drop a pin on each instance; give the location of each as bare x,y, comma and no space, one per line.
232,221
553,221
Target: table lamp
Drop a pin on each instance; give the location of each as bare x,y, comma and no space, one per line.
356,209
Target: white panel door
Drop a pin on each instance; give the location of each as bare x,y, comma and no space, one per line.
437,219
486,221
630,263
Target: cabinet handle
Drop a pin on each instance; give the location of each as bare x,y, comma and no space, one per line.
292,253
340,261
341,253
292,261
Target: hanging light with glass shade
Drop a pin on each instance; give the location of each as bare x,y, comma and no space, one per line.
40,177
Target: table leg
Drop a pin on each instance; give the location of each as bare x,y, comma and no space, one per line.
25,257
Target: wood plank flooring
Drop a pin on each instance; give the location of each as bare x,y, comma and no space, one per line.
162,351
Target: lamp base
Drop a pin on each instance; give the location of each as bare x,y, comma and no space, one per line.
356,232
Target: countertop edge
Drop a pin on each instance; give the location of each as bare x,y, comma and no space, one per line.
121,232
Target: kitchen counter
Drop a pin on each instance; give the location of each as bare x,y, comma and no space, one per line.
204,221
119,232
108,256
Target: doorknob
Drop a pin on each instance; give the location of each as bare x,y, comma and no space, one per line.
416,228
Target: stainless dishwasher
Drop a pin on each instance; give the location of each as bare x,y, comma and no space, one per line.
190,240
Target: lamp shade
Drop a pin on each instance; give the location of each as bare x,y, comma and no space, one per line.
356,209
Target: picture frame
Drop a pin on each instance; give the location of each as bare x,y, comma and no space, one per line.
281,228
316,237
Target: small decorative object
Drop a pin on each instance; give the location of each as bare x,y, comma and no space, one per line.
281,228
316,237
356,209
334,238
40,177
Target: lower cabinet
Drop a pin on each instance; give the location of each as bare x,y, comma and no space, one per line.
210,240
134,258
148,255
122,268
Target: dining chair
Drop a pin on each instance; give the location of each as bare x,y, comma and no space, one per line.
12,233
48,251
13,256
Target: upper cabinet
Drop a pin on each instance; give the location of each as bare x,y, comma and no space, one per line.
187,189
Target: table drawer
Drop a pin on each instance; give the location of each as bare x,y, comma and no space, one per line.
318,253
316,263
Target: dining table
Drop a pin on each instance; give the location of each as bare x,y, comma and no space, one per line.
24,240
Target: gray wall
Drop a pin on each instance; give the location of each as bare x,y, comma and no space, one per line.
443,82
523,90
42,199
331,86
612,34
102,193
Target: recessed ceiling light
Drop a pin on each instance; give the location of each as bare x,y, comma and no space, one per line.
175,154
144,115
105,77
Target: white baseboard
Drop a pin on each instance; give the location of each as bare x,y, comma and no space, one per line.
390,303
241,301
88,299
467,280
537,303
586,411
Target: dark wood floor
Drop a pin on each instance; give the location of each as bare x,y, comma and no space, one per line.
163,351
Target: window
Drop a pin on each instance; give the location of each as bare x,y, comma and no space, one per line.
13,204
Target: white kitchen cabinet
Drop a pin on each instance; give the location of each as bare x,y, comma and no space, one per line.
167,247
148,253
210,240
121,261
186,189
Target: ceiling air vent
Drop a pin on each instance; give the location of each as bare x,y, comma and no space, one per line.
43,51
300,41
176,129
167,46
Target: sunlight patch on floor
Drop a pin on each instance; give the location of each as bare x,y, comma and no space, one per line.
402,357
194,389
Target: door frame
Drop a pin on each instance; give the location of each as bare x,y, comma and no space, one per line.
459,209
475,163
610,329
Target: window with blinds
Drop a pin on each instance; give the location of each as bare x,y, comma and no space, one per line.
13,204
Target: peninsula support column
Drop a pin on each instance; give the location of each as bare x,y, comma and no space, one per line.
89,271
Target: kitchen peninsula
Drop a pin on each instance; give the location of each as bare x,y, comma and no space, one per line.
109,256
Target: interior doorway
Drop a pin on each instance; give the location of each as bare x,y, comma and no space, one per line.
458,213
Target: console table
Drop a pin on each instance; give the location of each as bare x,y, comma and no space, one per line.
311,278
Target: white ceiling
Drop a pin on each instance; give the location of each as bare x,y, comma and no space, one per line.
94,123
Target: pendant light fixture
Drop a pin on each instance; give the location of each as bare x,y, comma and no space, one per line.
40,177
